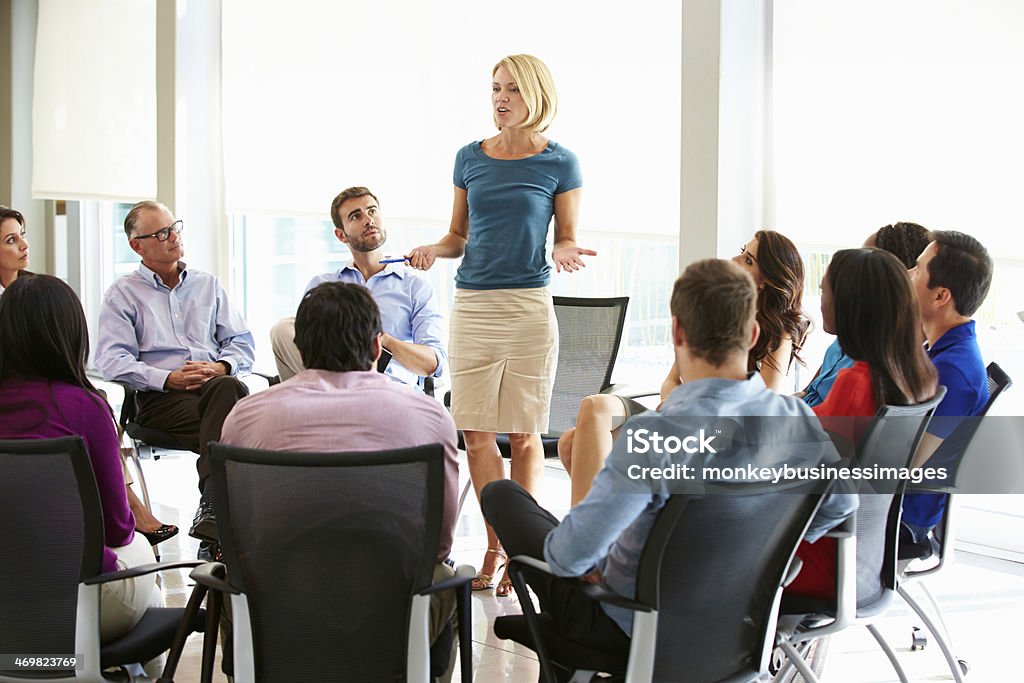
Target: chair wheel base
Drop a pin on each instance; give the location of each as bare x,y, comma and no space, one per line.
964,667
918,641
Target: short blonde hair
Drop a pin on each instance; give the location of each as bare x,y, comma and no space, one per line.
536,87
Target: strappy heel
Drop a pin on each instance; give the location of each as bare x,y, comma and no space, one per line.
483,582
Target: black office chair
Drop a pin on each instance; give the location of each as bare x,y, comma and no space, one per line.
329,560
940,546
51,553
146,443
589,333
866,547
707,595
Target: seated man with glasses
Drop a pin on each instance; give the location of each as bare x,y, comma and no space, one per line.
168,331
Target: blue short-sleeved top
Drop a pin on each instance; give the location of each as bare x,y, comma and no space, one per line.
511,203
834,361
962,371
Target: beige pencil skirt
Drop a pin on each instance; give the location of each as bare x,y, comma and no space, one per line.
503,351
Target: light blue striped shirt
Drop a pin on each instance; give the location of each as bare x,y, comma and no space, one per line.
408,311
147,330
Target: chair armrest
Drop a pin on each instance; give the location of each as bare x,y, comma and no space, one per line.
794,568
532,563
599,593
141,570
271,379
464,573
211,575
845,529
603,594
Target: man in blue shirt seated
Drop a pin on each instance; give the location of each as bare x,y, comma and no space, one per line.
408,308
602,538
168,331
951,278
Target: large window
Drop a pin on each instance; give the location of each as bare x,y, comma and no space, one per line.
384,94
278,256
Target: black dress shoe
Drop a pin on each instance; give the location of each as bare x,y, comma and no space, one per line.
204,524
209,551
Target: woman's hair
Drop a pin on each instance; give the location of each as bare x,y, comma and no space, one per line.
43,332
905,241
779,311
6,212
536,87
877,321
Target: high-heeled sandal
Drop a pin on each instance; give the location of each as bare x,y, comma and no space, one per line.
504,588
483,582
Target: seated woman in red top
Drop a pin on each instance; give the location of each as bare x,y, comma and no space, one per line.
44,393
866,301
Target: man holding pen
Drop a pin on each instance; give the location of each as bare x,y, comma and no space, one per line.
409,313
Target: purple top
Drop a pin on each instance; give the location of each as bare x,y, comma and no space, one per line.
29,410
321,411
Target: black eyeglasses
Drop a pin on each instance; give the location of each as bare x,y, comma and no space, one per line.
164,234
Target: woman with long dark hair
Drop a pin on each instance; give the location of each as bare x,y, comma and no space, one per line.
778,273
45,393
13,247
867,301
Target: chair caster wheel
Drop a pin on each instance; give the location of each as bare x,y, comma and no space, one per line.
918,641
964,668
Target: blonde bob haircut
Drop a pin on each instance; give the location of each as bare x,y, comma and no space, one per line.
536,87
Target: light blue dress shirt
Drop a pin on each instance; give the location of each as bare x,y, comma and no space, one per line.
408,310
609,528
147,330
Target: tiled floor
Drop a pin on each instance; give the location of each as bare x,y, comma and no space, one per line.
983,601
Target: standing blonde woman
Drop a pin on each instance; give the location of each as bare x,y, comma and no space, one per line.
504,336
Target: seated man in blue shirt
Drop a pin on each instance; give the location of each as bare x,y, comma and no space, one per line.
602,538
168,331
952,279
408,309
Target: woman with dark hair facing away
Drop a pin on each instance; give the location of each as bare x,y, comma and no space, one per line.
905,241
45,393
504,335
867,301
13,247
14,261
774,263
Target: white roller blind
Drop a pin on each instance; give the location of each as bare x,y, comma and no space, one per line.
910,110
94,101
323,95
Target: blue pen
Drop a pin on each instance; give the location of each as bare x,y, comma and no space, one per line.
393,260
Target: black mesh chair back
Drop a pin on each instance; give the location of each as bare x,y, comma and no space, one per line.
589,332
951,453
713,566
890,442
51,538
329,549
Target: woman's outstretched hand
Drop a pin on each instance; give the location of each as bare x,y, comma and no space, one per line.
567,257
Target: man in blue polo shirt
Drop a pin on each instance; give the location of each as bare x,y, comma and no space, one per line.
409,313
951,278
